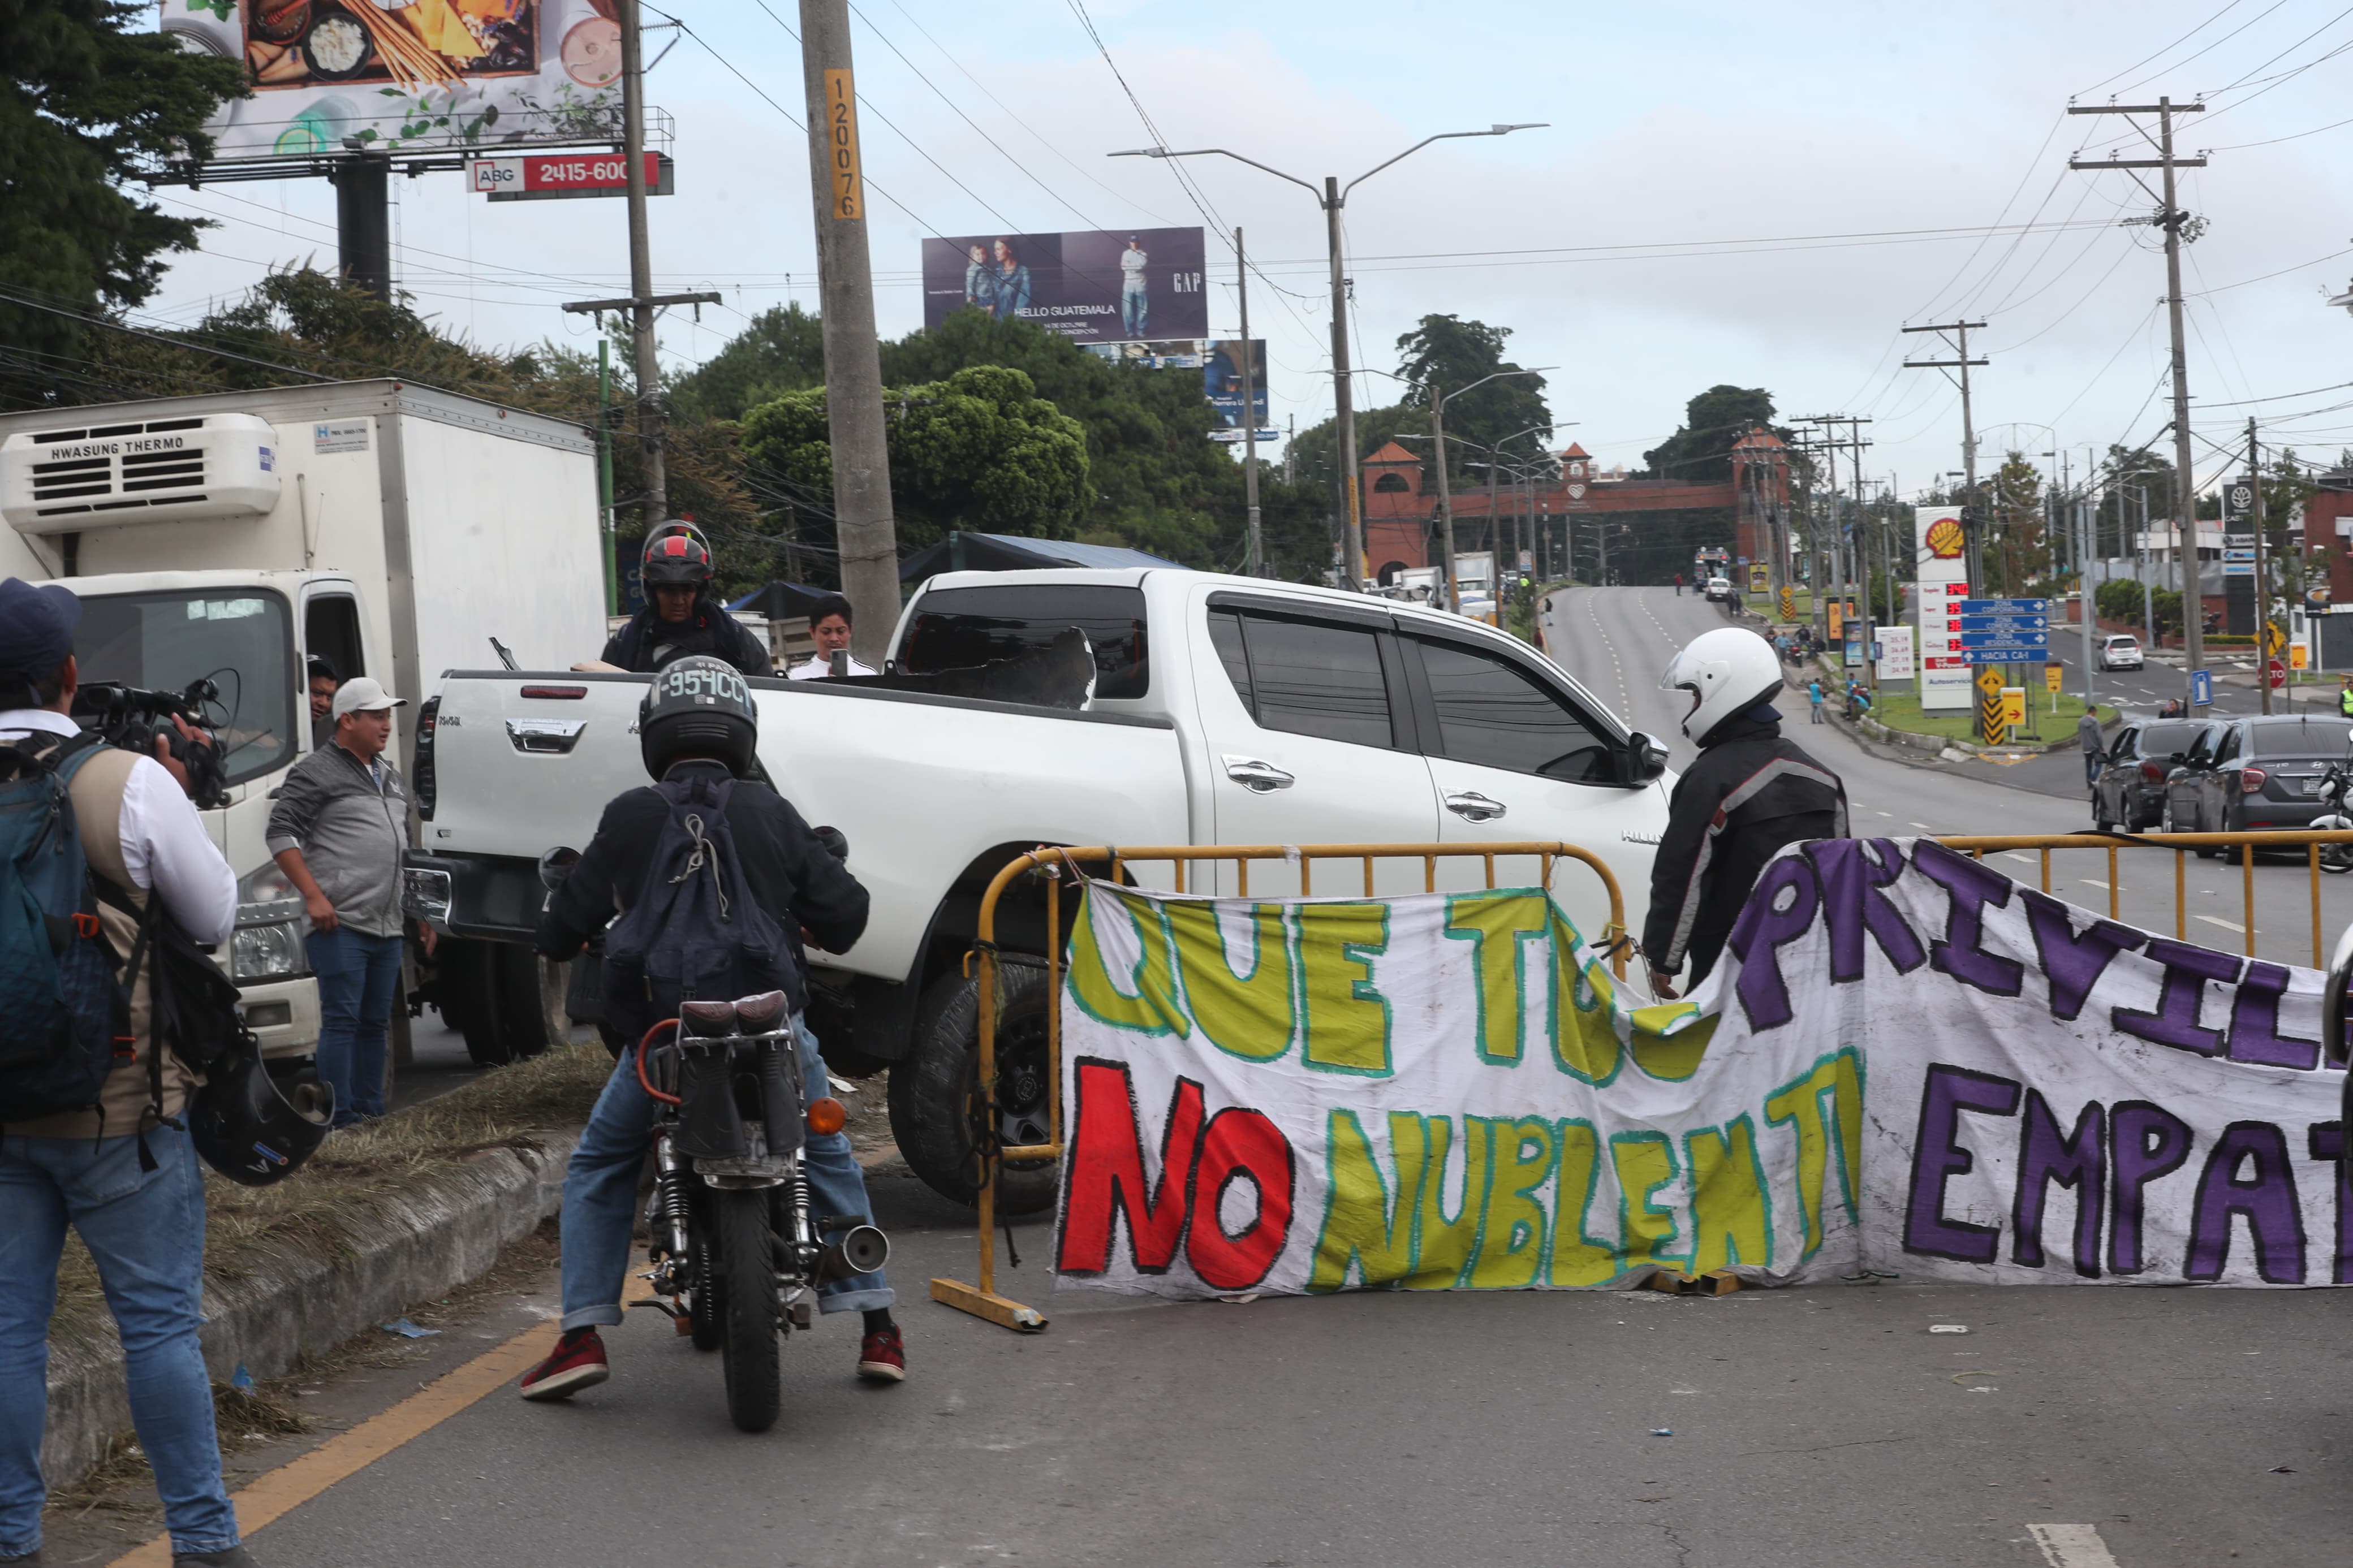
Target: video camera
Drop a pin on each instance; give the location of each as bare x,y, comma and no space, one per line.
132,717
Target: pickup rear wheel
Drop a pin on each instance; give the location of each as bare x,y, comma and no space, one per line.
934,1092
504,998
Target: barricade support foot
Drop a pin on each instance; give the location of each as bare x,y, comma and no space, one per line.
1717,1282
998,1309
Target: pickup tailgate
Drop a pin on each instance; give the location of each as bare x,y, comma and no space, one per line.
922,786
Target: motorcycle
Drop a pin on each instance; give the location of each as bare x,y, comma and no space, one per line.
2334,786
733,1245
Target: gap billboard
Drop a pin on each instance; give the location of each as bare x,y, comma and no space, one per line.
1093,285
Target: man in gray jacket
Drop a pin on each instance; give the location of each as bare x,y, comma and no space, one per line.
337,829
2087,735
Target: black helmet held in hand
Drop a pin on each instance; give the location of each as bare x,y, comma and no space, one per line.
676,554
698,707
246,1127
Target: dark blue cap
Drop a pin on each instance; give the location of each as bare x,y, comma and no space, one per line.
36,625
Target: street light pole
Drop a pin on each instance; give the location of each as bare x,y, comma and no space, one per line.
1333,198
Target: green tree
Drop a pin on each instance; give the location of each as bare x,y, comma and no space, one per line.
782,351
2017,553
85,103
1447,354
980,451
1699,452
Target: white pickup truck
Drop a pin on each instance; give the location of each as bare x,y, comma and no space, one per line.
1224,710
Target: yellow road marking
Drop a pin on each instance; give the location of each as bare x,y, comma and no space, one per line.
280,1491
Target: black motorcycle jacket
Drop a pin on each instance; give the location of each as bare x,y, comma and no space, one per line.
793,872
1751,794
648,643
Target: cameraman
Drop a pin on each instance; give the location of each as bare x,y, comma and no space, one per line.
123,1172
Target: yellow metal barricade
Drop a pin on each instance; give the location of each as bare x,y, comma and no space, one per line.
981,1299
2245,845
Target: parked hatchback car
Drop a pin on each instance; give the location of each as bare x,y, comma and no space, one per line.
2119,651
2247,775
2129,792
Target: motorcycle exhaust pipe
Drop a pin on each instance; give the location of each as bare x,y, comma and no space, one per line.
861,1250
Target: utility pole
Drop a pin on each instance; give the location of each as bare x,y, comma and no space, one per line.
655,508
1343,406
1960,361
2173,220
1450,596
1249,412
866,534
2263,578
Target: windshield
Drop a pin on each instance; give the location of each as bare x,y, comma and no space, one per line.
243,638
2304,738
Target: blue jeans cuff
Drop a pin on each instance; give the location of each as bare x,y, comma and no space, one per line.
603,1316
857,1300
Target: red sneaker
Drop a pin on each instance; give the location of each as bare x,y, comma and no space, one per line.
577,1361
883,1356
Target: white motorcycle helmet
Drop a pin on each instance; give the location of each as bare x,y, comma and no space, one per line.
1727,672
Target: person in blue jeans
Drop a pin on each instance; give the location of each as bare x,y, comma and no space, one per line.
337,829
1814,698
699,734
121,1173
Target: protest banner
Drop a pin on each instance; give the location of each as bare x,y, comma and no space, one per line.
1904,1063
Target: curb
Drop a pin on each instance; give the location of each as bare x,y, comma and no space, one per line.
446,1230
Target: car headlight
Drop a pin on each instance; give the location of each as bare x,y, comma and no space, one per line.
269,951
270,926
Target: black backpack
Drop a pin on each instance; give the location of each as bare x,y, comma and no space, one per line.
694,929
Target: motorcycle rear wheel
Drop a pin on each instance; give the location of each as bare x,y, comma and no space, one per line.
703,1314
747,1303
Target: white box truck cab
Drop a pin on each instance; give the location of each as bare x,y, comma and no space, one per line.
393,528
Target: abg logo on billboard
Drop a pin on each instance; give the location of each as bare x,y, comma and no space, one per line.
1095,286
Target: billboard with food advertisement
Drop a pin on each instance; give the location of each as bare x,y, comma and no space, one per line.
1096,286
333,75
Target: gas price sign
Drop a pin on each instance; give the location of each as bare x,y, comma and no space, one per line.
545,176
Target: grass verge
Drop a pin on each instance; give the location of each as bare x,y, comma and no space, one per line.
356,1176
1901,710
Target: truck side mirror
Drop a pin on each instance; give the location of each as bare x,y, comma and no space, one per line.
1646,758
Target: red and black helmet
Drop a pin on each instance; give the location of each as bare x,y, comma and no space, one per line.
677,553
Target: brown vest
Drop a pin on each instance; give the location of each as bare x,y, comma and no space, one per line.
126,1104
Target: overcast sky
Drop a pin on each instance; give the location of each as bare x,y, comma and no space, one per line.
1720,196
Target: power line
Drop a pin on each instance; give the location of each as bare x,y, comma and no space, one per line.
2175,44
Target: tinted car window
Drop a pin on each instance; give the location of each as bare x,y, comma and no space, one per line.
1496,715
959,628
1308,679
2125,748
2304,738
2164,740
1226,637
2230,747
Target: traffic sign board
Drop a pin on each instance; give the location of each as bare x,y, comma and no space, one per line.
2201,688
2278,673
2009,652
2053,674
1997,623
2002,606
1990,681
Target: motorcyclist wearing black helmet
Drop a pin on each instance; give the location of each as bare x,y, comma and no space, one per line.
697,728
682,613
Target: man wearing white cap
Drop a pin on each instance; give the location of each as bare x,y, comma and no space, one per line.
338,827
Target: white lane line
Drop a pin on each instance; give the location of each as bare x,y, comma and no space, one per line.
2072,1545
2016,855
1924,827
2092,882
1876,811
2226,925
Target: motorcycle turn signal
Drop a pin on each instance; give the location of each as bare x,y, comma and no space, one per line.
826,1115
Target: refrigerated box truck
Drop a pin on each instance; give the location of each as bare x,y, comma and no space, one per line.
393,528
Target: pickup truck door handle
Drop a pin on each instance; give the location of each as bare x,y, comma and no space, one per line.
555,737
1473,806
1257,777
